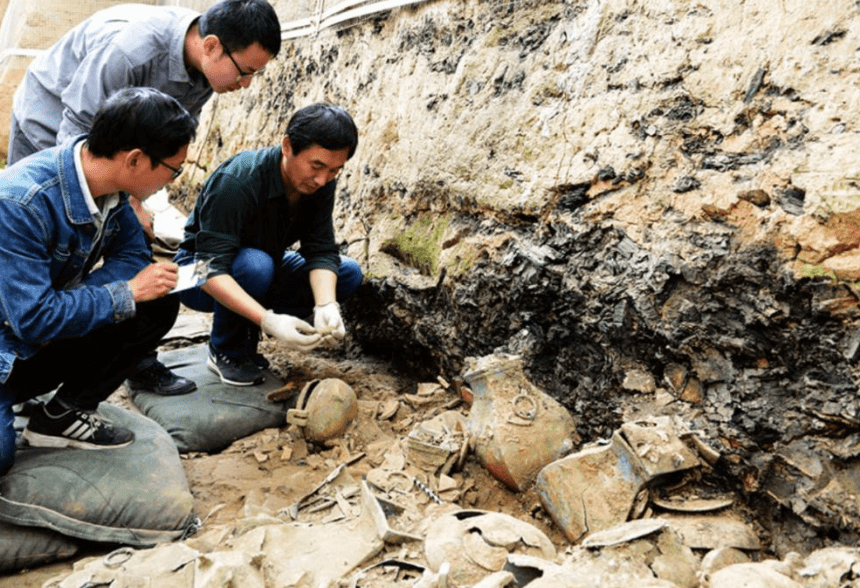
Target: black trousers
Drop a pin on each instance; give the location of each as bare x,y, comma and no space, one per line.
88,369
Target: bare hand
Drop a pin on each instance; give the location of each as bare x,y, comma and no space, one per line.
154,281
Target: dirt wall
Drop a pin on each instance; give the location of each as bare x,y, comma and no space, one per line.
639,198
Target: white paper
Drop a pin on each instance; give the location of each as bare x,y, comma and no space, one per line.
191,276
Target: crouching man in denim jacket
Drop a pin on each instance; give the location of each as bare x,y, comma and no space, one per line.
81,300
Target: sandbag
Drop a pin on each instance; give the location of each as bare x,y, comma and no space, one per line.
29,547
136,495
216,414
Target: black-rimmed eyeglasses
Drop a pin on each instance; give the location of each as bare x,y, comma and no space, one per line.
243,75
176,170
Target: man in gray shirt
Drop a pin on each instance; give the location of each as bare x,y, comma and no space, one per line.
184,54
178,51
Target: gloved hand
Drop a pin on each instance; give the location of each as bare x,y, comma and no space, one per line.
328,322
295,332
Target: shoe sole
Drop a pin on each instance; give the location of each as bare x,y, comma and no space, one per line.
40,440
214,368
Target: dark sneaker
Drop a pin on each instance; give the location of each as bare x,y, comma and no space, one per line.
75,428
236,372
160,380
251,345
259,360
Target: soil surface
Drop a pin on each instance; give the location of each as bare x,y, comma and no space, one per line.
274,468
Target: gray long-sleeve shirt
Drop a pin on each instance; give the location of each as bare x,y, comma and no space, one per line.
121,46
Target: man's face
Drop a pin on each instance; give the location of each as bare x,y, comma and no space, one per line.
227,71
311,169
147,180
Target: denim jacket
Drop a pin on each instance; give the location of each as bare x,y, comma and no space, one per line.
49,288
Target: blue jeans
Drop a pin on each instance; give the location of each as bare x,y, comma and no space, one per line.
285,288
86,369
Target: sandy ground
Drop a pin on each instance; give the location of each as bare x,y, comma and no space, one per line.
276,467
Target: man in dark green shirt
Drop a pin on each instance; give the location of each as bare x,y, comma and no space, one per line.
255,206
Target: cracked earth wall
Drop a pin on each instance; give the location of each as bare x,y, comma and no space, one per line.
636,196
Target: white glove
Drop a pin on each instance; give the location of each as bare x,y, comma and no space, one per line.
328,322
295,332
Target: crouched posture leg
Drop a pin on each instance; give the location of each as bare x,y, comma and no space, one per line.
284,287
233,340
83,371
291,291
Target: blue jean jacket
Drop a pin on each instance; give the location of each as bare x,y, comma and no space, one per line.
49,289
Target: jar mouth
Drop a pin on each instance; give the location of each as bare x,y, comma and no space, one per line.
492,364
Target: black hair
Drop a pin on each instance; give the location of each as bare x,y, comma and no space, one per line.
238,24
325,125
141,118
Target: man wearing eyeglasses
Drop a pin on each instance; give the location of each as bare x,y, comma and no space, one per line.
264,221
81,300
186,55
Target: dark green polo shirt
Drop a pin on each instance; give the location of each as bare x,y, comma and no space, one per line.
244,204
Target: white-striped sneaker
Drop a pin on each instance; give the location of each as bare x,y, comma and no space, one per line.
75,428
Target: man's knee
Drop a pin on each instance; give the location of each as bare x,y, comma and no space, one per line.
349,277
158,316
254,271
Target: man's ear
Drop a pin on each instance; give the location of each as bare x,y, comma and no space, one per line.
286,147
134,159
211,45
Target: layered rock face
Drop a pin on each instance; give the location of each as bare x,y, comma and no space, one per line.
640,198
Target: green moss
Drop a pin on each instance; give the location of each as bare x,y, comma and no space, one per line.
506,184
817,271
464,260
419,245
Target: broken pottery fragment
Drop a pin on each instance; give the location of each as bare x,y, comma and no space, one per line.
638,380
435,445
406,571
168,565
586,568
378,506
540,573
803,478
830,566
324,409
387,409
597,487
722,557
713,531
516,427
758,575
650,544
706,452
476,543
693,504
674,561
658,446
624,533
297,554
496,580
593,489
